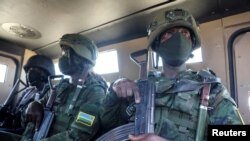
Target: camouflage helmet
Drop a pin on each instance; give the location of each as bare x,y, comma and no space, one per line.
81,45
173,18
42,62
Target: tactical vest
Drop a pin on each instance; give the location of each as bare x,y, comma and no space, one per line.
177,103
28,96
68,102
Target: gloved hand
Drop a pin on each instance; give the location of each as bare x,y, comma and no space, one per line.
34,113
125,88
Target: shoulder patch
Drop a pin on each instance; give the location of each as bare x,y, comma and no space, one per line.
85,119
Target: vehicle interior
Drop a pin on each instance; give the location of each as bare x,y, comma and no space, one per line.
30,27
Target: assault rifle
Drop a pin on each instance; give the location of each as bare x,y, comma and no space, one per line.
144,115
48,113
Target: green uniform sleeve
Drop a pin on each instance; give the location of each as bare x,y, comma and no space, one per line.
86,123
225,113
224,110
114,113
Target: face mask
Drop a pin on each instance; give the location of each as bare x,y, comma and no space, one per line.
67,66
176,50
35,77
70,63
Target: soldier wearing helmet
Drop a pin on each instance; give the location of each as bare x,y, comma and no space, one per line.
77,105
173,35
79,56
37,70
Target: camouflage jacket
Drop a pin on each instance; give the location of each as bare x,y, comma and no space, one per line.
28,97
12,117
15,131
77,117
177,106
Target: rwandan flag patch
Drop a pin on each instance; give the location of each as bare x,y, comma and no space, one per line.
85,119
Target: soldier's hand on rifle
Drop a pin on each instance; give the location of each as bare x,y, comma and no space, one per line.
34,113
146,137
125,88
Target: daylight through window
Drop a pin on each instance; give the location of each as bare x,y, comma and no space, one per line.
107,62
3,69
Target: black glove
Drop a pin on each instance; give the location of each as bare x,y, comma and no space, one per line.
34,113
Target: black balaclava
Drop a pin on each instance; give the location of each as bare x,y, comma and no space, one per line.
36,76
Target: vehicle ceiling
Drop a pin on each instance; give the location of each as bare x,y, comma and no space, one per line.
104,21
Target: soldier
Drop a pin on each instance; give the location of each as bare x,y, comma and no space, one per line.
77,105
173,36
37,70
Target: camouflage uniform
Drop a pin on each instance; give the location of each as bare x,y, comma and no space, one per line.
44,64
77,106
76,118
81,122
28,96
177,100
177,106
32,93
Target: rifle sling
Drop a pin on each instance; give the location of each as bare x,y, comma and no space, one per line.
76,95
202,113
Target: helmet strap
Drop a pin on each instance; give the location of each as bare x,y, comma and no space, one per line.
156,44
27,82
193,40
